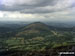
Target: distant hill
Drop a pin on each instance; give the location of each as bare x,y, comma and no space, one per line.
39,27
34,28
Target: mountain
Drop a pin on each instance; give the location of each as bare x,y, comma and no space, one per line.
37,26
34,28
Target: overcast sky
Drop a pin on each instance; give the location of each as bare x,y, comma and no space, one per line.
37,10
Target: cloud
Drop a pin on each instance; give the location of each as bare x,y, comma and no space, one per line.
37,10
26,2
65,15
19,16
35,6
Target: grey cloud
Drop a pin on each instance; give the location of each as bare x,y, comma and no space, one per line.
34,6
16,7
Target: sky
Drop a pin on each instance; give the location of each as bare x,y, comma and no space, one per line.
37,10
